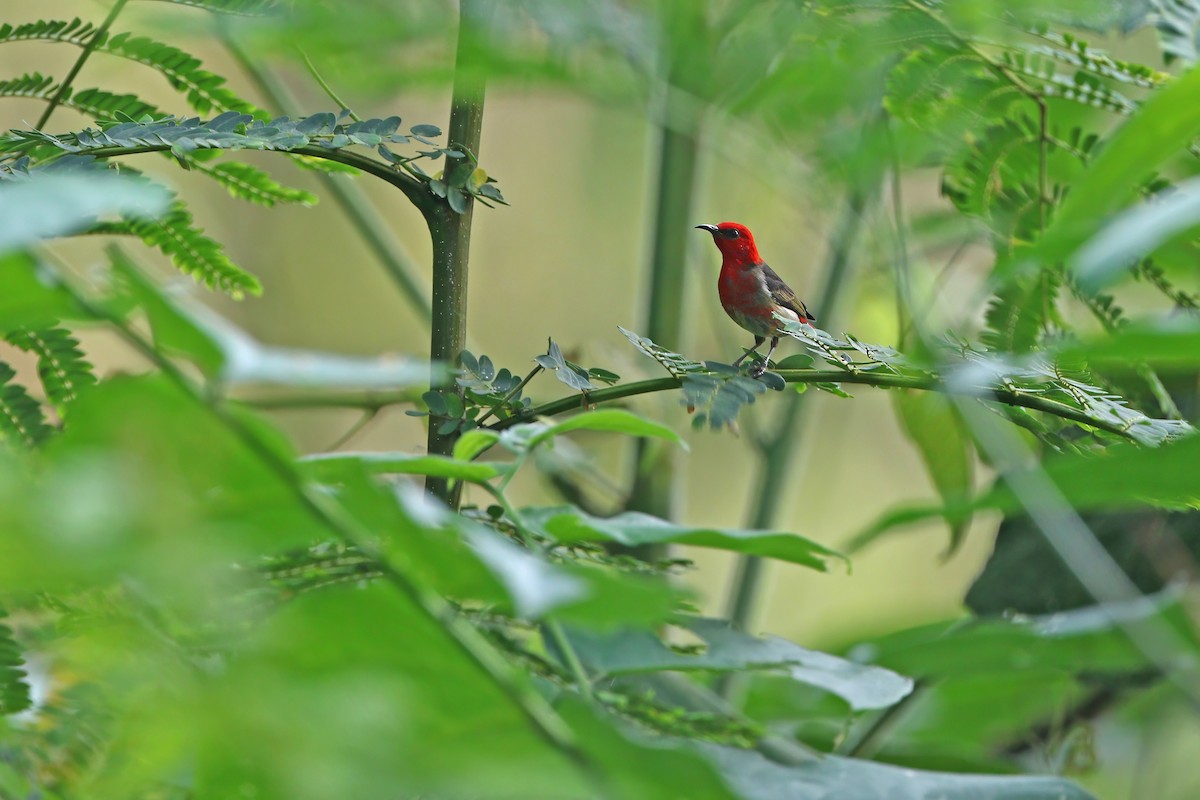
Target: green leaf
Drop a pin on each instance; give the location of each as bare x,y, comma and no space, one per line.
1178,23
568,524
935,429
572,375
14,685
674,363
55,205
175,331
1088,640
637,766
755,777
205,91
1125,476
33,295
474,442
1164,126
638,650
22,423
1136,233
408,705
63,370
614,420
406,464
1170,344
253,184
192,252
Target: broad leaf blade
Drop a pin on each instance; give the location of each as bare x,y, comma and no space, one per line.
568,524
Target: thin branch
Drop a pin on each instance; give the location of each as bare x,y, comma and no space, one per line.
1010,397
513,393
363,421
868,743
371,401
354,203
416,191
312,70
65,87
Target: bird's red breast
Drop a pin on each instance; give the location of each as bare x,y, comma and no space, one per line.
751,293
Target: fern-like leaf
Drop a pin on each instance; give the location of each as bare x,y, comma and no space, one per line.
61,364
1020,312
102,105
30,85
679,366
205,90
1078,53
1156,277
193,253
74,31
21,419
1178,23
14,687
251,183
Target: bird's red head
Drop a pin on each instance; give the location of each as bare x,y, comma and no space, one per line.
735,241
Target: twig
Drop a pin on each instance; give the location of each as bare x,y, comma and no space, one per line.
312,70
363,421
353,201
511,394
64,88
868,378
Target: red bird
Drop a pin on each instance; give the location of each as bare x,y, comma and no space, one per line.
751,292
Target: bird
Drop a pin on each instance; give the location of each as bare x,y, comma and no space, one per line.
751,292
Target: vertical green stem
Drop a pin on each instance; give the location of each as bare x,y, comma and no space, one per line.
654,475
451,231
686,65
777,453
64,88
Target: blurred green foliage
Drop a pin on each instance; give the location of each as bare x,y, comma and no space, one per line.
192,608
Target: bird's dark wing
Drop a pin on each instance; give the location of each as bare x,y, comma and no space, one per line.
784,295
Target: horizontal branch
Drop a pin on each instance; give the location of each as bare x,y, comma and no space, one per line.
417,193
881,379
366,401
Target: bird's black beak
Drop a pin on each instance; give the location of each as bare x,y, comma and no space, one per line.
709,228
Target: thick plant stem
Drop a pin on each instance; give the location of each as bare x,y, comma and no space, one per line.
654,470
451,231
352,199
684,74
777,453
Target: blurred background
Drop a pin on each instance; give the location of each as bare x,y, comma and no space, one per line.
575,148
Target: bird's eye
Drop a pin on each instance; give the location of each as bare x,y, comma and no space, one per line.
730,233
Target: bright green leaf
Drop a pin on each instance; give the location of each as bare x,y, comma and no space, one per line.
568,524
615,420
935,429
407,464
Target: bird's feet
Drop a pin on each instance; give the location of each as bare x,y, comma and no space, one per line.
758,368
